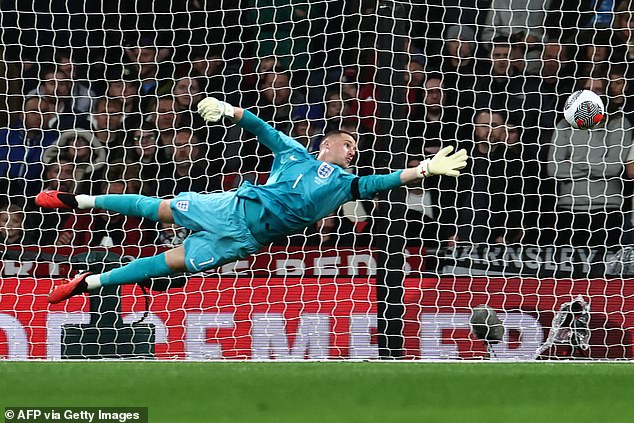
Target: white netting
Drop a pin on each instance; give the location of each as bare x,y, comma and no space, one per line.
101,99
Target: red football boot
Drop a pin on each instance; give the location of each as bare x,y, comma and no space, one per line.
69,288
56,200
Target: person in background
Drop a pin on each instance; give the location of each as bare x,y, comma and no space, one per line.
86,152
142,149
12,226
187,171
22,147
589,168
108,229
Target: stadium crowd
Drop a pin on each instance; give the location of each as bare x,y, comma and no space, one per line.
108,105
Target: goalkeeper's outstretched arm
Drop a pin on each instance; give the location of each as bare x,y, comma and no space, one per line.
443,163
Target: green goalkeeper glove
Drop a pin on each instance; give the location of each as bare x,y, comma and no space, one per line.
443,163
212,110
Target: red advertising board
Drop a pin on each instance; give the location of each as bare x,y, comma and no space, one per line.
324,318
438,309
271,260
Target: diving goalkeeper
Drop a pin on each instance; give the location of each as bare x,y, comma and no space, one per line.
228,226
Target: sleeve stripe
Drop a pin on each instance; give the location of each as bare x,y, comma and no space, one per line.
354,188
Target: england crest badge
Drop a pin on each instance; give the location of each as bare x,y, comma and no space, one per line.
324,171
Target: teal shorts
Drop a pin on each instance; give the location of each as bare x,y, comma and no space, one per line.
220,232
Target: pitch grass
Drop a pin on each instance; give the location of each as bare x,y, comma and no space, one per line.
331,392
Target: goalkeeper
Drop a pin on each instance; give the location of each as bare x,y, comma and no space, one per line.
227,226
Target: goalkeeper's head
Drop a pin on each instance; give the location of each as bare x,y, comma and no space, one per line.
338,147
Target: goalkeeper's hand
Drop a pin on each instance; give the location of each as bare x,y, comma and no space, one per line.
443,163
212,110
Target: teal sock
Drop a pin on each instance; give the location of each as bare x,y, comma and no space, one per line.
129,205
138,270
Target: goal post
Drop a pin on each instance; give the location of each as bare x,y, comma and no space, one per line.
392,64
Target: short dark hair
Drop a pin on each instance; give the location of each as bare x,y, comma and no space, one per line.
502,41
338,132
433,75
617,69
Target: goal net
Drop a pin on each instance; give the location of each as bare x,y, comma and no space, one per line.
101,99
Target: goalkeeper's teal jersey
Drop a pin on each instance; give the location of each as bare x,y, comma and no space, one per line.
300,189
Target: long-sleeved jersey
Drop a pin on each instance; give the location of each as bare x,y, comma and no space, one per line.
300,189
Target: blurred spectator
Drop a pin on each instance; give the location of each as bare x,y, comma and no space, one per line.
598,47
108,126
276,104
187,94
414,79
269,64
82,95
589,167
488,129
121,85
349,82
436,124
602,13
187,171
619,92
624,29
523,20
558,82
565,17
556,85
286,30
508,91
13,229
149,66
142,149
166,119
306,132
217,77
338,107
427,28
61,175
57,88
210,64
105,229
278,100
367,96
209,28
22,147
83,149
459,73
435,128
334,109
499,205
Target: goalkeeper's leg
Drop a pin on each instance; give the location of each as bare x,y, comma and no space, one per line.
139,270
127,204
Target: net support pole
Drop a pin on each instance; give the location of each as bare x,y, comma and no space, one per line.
391,143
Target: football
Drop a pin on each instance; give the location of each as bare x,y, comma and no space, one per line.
584,109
